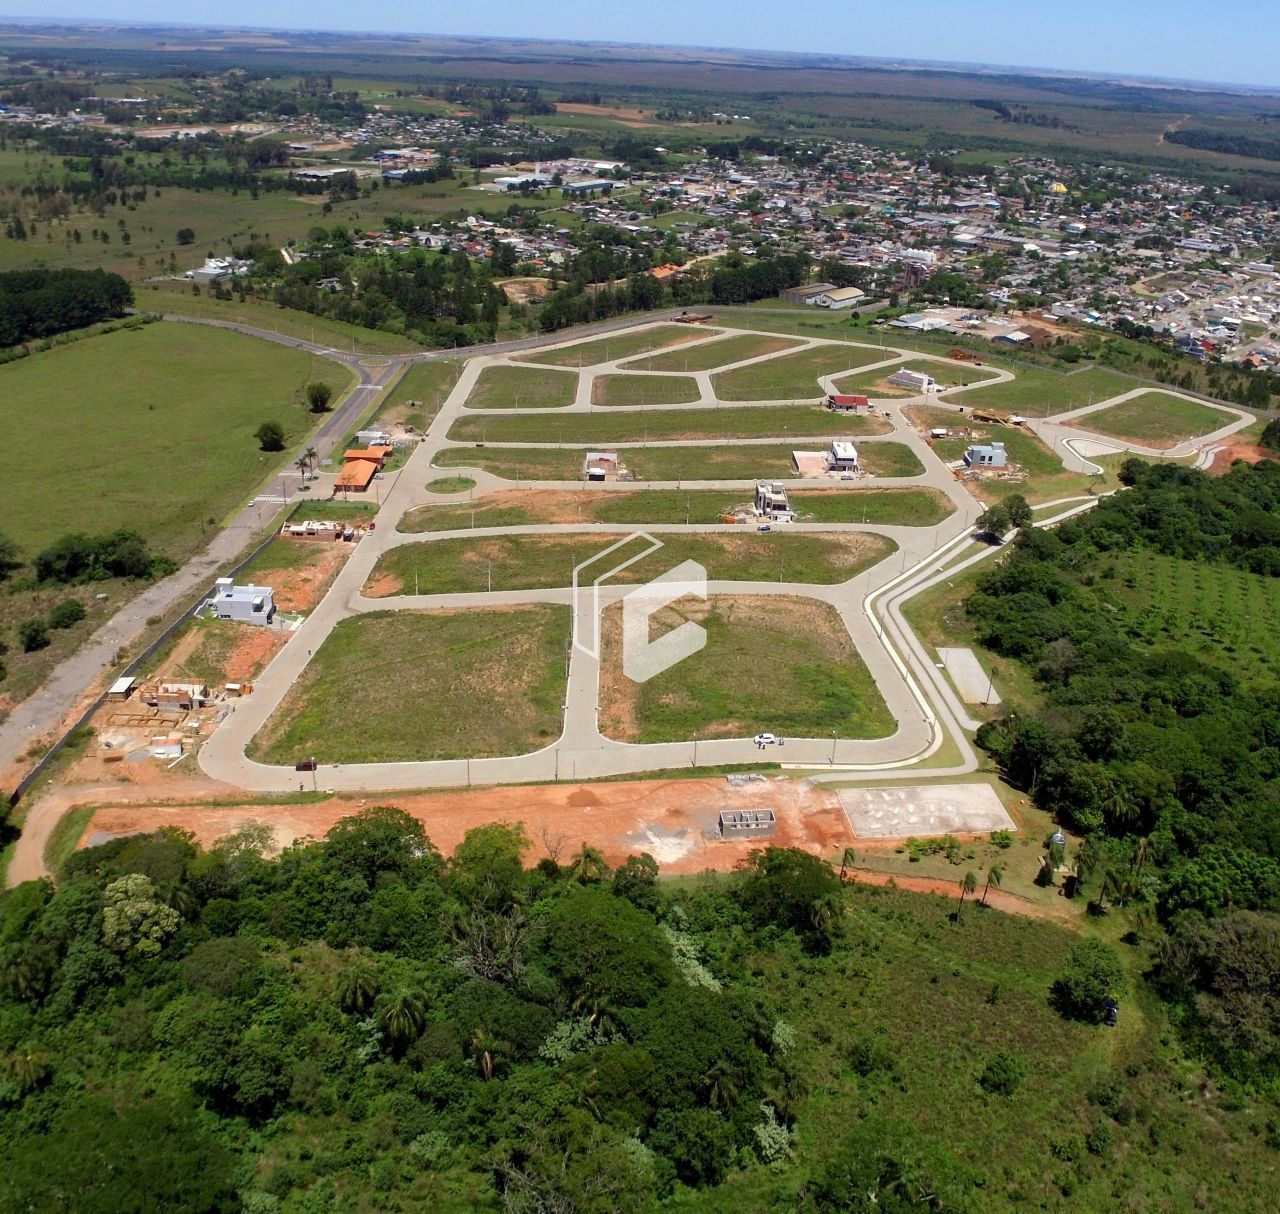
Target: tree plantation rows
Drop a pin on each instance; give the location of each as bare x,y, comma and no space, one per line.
40,303
1164,755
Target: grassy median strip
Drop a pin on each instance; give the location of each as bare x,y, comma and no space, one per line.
618,345
537,562
522,508
782,663
401,686
644,390
793,376
714,354
522,388
643,425
876,383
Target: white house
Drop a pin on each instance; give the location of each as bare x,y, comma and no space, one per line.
248,604
986,455
843,456
771,499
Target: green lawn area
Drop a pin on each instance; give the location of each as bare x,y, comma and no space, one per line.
480,682
1038,392
714,354
875,383
420,392
151,429
635,426
528,562
644,390
782,664
522,388
1156,419
901,507
671,463
792,376
620,345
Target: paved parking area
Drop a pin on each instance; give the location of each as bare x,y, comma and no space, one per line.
934,809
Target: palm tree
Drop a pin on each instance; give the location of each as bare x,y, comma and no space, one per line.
722,1085
311,456
301,464
847,859
967,887
825,913
358,987
995,874
401,1017
483,1044
589,866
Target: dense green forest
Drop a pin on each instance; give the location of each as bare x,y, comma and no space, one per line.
1162,748
40,303
362,1025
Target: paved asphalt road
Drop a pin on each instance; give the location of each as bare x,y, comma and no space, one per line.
37,719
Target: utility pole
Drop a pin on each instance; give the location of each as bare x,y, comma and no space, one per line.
833,748
315,783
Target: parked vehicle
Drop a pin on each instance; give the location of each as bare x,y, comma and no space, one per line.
765,739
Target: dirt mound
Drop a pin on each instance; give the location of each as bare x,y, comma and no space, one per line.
1228,455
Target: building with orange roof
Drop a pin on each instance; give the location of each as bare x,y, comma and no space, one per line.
359,466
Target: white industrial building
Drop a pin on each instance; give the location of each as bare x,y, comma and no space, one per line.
904,377
838,297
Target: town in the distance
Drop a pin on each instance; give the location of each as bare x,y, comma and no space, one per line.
588,629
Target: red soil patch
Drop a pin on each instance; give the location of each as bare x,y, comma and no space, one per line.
1223,460
301,589
381,586
676,821
252,653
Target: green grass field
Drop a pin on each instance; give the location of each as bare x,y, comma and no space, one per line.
713,354
531,562
792,376
522,388
618,346
1041,393
644,390
637,426
782,664
1047,479
481,682
1156,419
420,392
890,507
451,484
671,463
150,429
177,299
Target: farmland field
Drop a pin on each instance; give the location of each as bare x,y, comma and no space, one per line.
783,664
714,354
618,346
150,429
792,376
1156,419
635,426
644,390
482,682
522,388
527,562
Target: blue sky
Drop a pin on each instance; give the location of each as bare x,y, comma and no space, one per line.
1188,39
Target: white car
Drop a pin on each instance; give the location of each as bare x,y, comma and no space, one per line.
765,739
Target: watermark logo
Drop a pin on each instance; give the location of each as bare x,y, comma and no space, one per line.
642,657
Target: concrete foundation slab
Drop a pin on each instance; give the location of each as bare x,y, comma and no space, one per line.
968,676
926,810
